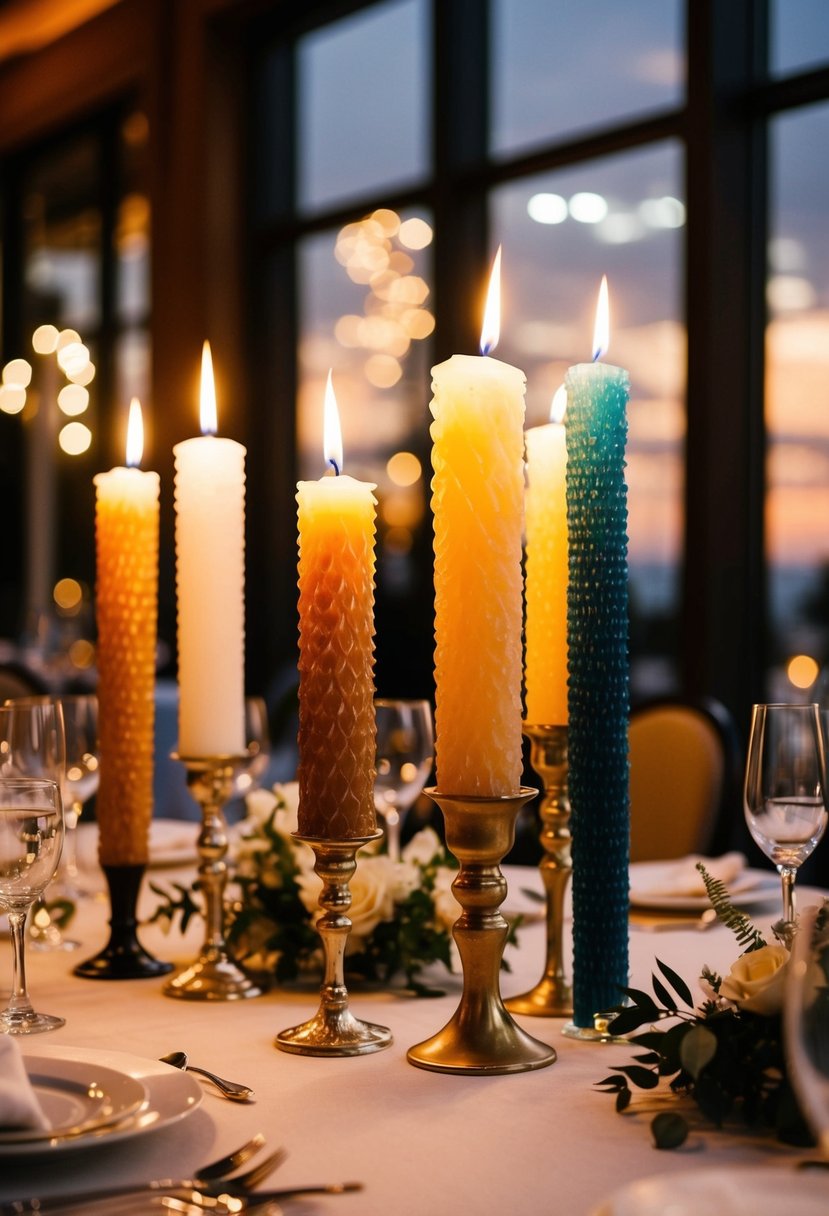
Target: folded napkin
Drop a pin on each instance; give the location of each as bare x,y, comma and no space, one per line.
681,877
19,1106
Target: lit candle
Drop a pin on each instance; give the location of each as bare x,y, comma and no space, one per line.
546,570
336,648
126,608
478,504
599,684
210,580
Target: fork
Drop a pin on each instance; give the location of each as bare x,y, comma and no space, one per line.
187,1190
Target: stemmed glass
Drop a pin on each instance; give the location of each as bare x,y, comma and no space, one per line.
31,835
258,745
785,794
405,750
806,1020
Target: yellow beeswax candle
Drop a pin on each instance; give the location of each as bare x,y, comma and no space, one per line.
210,585
126,532
545,672
478,504
336,649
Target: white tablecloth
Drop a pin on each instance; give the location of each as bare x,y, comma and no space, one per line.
542,1142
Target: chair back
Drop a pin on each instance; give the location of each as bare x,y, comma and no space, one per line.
682,764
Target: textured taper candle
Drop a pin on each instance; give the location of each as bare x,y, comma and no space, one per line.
126,608
478,505
210,586
599,683
336,520
545,665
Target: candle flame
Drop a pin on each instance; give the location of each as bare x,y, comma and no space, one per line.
332,434
558,406
491,330
207,401
601,330
135,435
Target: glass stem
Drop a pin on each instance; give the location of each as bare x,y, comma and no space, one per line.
19,1002
787,877
69,861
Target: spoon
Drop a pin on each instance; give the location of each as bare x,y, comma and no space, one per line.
236,1093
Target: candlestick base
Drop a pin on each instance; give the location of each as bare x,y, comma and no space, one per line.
213,976
552,996
481,1037
123,958
599,1032
334,1031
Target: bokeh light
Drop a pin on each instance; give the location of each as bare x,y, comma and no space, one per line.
45,340
12,400
802,670
17,373
68,594
73,399
74,438
404,468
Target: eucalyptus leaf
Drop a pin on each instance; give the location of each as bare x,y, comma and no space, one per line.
677,983
669,1130
698,1048
663,994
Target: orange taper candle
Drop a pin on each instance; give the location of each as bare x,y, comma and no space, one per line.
126,531
336,648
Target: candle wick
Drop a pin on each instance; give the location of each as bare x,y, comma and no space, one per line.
334,465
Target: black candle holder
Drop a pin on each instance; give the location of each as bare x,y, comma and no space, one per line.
123,957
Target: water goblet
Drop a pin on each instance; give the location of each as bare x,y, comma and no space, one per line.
257,745
785,794
31,836
405,750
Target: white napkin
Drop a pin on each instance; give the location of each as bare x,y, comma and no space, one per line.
681,877
19,1106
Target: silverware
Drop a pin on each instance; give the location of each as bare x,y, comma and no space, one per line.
232,1161
230,1089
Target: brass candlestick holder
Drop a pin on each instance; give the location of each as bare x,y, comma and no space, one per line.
552,996
334,1031
213,976
481,1037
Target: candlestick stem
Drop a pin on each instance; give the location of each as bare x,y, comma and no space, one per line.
481,1036
552,996
213,975
123,957
334,1031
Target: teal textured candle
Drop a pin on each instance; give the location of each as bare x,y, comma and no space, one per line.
598,693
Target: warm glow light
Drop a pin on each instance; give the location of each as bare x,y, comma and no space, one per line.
84,375
73,358
601,330
491,330
12,400
66,337
44,340
558,406
332,436
135,435
74,438
73,399
207,401
17,374
383,371
415,233
547,209
802,671
404,468
67,594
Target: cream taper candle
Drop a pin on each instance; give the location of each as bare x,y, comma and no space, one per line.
336,648
478,504
126,609
545,669
210,580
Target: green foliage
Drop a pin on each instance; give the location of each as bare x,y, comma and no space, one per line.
739,924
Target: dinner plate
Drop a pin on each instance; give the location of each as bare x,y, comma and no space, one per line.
739,1191
172,843
171,1095
76,1098
751,887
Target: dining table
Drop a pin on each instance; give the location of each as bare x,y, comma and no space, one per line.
543,1142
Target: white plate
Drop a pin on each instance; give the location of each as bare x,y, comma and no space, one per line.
752,887
172,843
738,1191
77,1098
170,1095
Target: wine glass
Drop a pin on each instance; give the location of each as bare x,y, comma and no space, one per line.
31,835
806,1020
405,750
257,744
785,794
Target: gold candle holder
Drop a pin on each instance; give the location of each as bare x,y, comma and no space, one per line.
213,976
481,1037
552,996
334,1031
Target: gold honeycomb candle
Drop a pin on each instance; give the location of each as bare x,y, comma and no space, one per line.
478,504
126,531
336,650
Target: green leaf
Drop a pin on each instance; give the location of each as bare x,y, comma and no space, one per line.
677,983
669,1130
536,895
642,1000
623,1099
612,1082
632,1018
663,994
643,1077
698,1048
648,1057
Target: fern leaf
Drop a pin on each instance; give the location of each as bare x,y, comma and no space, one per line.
738,922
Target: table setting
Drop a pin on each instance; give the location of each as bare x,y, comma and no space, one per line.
362,1025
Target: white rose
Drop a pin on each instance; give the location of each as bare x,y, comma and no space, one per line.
259,806
447,907
286,816
422,847
406,879
372,894
757,980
